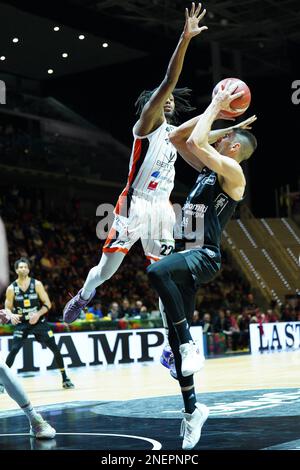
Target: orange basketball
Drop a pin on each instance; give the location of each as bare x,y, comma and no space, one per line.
239,105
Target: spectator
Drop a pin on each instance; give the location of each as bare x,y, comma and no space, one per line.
196,318
206,323
136,311
125,310
96,309
114,311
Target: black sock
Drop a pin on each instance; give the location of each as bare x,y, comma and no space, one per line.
63,374
189,399
183,332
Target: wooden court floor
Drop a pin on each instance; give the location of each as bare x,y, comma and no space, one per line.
244,372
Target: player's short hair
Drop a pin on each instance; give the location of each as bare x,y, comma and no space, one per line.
181,99
248,143
22,260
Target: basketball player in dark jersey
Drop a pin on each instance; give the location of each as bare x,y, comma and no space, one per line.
218,190
39,428
27,298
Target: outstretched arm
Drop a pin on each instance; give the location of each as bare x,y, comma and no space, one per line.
153,113
213,136
180,135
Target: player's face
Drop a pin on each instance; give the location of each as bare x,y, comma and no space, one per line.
22,270
169,106
223,144
227,146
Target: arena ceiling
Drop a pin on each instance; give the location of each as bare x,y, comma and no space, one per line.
266,32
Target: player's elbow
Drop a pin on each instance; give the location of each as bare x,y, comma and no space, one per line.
175,137
192,145
195,146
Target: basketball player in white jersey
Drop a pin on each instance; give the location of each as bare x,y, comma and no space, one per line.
143,210
39,428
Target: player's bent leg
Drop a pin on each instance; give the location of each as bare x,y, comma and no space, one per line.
154,251
18,341
12,385
194,413
39,428
108,265
49,341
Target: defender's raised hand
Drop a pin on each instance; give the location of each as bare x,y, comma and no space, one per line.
246,124
192,20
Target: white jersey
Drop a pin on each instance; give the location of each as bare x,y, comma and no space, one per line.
143,210
151,167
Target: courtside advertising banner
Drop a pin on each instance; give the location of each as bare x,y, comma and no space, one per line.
94,348
269,337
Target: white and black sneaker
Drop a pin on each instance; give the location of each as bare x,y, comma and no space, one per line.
192,360
191,426
40,429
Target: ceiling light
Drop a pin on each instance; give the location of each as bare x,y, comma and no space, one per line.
64,55
2,57
56,28
15,40
50,71
105,44
81,36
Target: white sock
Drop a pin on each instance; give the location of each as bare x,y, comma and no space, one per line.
30,412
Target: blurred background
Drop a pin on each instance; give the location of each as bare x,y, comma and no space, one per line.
73,70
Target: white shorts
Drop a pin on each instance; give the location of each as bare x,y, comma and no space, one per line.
151,220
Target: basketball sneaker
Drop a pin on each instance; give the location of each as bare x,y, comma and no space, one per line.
192,360
191,426
74,306
68,384
167,360
165,356
40,429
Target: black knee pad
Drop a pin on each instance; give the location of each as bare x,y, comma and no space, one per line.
186,381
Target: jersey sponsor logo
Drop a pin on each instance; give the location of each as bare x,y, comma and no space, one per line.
221,201
210,253
211,179
154,183
27,303
171,158
195,210
161,164
33,296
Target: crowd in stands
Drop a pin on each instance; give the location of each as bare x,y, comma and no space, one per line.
62,247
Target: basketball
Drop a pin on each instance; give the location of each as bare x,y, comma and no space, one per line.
239,105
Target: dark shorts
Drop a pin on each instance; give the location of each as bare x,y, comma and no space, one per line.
204,264
41,331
